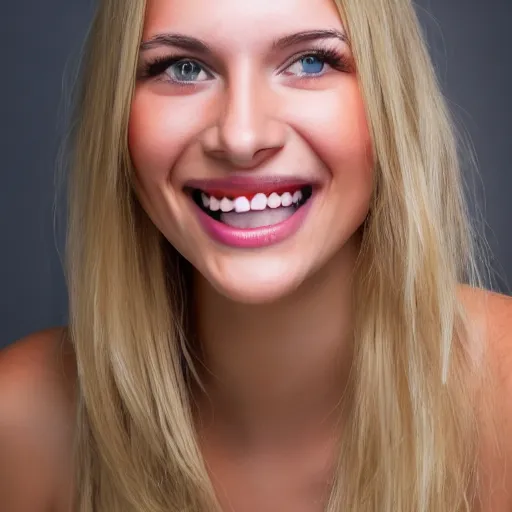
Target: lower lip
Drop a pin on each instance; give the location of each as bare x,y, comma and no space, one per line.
254,237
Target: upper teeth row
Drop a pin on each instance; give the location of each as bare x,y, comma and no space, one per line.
258,202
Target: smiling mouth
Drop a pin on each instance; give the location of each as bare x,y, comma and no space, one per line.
252,210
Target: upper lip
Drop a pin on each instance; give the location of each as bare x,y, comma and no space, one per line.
238,185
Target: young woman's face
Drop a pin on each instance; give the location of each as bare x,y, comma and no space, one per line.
249,139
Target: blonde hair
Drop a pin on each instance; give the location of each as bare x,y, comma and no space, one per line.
410,438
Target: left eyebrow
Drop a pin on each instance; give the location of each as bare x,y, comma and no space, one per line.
307,36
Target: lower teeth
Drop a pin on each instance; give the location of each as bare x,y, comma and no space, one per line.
257,219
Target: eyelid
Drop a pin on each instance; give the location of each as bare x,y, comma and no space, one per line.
294,60
154,68
328,53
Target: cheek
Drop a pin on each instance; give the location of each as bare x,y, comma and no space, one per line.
160,129
158,133
336,128
349,152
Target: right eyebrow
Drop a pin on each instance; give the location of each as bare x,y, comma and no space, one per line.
176,40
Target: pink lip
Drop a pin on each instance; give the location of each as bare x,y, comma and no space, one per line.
256,237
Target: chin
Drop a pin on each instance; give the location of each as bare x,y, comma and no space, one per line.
257,279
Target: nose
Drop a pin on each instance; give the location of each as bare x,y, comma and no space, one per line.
246,130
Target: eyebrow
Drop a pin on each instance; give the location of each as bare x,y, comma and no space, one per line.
179,40
196,45
308,35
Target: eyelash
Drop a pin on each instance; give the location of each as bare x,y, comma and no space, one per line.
330,56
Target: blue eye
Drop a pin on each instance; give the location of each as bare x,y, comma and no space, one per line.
312,64
308,65
186,71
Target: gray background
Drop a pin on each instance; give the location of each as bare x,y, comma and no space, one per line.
470,44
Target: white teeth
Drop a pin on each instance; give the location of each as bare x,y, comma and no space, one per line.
242,205
297,196
226,205
274,200
286,199
214,204
259,202
205,199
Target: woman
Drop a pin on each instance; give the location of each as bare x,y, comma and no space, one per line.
267,245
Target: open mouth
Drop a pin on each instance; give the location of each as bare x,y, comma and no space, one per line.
252,210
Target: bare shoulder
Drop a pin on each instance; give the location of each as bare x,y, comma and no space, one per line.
37,388
493,312
496,311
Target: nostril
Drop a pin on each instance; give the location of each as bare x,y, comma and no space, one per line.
245,147
246,161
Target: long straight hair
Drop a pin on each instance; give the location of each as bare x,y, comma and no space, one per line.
411,435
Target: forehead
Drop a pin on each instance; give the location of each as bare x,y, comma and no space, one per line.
243,21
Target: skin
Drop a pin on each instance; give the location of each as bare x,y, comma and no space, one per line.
253,119
274,323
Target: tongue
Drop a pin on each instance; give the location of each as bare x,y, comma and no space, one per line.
257,219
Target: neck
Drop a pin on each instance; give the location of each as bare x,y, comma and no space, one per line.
277,371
